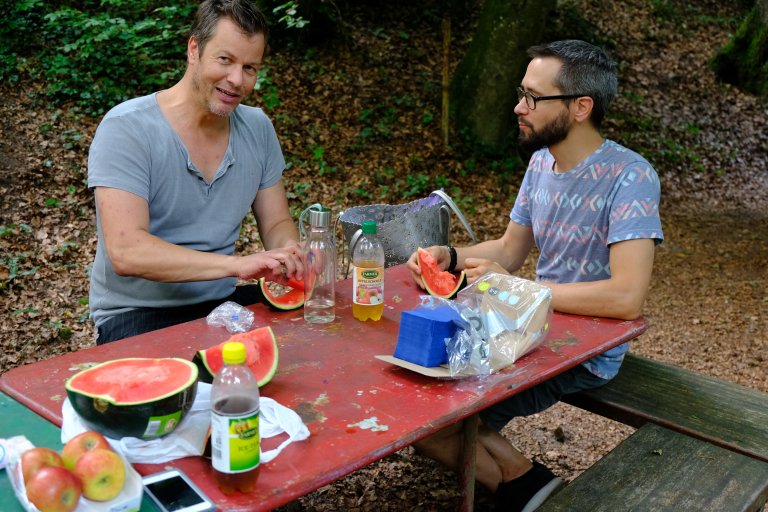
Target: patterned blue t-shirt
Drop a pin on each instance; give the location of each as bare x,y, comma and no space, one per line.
612,196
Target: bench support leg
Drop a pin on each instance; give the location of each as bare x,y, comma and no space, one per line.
468,463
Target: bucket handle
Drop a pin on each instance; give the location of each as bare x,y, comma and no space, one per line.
352,243
445,197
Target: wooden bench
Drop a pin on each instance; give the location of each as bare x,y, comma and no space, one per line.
657,469
701,444
704,407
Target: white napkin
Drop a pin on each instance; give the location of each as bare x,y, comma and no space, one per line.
189,437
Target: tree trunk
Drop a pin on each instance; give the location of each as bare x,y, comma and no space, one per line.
744,60
483,94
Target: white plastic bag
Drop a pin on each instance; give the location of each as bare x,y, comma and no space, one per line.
128,499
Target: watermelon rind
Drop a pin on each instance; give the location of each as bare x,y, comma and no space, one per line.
151,416
209,361
429,286
292,299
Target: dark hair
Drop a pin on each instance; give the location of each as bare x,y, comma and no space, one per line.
244,13
587,70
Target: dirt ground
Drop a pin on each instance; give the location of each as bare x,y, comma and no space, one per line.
707,305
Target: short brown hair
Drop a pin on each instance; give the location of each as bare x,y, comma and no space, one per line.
244,13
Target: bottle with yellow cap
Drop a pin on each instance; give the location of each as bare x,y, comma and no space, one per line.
235,437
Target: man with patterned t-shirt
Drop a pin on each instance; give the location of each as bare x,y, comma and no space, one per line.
591,206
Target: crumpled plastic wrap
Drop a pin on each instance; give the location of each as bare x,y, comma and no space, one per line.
504,318
231,315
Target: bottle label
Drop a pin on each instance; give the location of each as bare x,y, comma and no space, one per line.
235,442
368,286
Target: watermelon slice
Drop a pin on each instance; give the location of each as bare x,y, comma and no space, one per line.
260,355
293,298
439,283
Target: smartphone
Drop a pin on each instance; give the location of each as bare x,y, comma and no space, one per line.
173,491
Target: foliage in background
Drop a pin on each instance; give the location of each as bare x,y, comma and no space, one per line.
94,53
97,53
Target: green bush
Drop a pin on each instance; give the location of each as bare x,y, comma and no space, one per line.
94,53
97,53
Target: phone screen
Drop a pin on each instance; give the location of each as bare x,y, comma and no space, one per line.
174,493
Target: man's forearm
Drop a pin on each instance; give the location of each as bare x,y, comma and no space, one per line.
282,234
152,258
509,255
597,298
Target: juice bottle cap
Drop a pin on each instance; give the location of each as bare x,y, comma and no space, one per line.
369,227
233,352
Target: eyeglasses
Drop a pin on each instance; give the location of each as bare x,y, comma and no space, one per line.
530,99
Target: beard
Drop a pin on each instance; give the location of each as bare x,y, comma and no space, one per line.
217,110
549,135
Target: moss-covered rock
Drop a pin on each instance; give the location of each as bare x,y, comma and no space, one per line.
744,60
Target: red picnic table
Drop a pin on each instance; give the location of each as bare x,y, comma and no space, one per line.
328,374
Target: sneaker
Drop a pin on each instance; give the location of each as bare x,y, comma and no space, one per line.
525,493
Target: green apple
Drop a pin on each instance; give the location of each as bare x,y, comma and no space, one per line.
54,489
102,473
35,459
81,443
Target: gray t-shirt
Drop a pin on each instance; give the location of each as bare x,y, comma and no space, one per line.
612,196
135,149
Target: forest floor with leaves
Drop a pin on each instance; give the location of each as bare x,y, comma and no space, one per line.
360,123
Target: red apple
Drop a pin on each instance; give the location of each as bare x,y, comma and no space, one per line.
81,443
54,489
102,473
35,459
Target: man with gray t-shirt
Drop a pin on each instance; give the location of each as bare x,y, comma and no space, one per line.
174,175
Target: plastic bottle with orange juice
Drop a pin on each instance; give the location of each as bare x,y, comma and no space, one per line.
368,277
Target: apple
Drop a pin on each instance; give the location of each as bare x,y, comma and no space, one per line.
81,443
35,459
54,489
102,473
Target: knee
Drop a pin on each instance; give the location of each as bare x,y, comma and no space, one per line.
438,441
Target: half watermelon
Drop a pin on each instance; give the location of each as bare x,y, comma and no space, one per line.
260,355
292,296
439,283
134,397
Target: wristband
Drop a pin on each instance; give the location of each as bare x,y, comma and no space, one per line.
452,264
